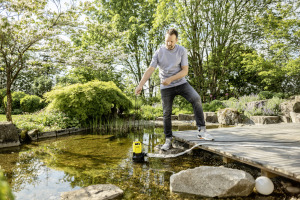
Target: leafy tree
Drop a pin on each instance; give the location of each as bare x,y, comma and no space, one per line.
213,31
41,85
24,27
92,100
133,21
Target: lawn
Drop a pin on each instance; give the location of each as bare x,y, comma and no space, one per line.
14,117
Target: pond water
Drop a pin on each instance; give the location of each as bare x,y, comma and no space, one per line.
43,170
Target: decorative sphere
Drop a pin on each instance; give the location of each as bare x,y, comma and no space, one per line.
264,185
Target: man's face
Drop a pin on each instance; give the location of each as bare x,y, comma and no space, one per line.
170,41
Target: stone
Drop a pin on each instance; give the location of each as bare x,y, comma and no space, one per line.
213,182
210,117
291,105
256,104
285,119
94,192
265,119
228,116
186,117
9,135
173,117
33,134
295,117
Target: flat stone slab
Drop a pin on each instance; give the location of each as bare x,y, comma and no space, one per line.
94,192
274,147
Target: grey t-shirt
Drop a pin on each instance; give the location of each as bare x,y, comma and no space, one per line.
170,63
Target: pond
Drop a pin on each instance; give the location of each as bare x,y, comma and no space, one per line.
43,170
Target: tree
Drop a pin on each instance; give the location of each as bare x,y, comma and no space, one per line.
24,26
133,21
213,31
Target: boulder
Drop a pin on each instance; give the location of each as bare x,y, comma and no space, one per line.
185,117
291,105
93,192
211,117
265,119
9,135
228,116
295,117
256,104
213,182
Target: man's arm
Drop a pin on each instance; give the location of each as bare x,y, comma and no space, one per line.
184,71
145,78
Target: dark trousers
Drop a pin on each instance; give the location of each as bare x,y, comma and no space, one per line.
190,94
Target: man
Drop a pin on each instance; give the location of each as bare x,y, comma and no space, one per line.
173,67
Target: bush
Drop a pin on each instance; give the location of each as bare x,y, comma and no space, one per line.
265,95
150,112
5,191
91,100
31,103
213,106
46,121
16,98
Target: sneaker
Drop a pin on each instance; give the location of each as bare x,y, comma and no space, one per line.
167,144
204,135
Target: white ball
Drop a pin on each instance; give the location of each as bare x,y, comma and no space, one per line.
264,185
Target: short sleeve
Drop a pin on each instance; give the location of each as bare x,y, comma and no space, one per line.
154,60
184,59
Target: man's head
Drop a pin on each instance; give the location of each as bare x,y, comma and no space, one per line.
171,38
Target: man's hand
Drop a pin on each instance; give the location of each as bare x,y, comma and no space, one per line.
167,81
138,90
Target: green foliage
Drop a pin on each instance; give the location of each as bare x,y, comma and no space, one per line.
41,85
265,95
184,110
95,99
31,103
16,99
2,95
213,106
150,113
269,108
45,121
5,191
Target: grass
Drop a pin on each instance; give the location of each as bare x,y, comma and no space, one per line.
14,117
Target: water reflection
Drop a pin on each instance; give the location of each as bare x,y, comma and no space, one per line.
43,170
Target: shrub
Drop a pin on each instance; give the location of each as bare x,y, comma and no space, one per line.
31,103
213,106
46,121
272,106
91,100
265,95
150,112
16,98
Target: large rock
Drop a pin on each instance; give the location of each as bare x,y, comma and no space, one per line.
213,182
228,116
186,117
256,104
94,192
291,105
295,117
211,117
265,119
9,135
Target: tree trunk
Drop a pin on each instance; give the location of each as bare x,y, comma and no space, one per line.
9,104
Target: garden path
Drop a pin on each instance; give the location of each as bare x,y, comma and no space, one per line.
275,148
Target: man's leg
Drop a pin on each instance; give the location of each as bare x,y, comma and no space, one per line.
167,96
190,94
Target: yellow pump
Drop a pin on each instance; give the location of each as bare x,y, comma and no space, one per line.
138,155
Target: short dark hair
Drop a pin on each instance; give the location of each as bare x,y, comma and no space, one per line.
172,31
